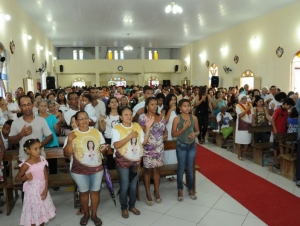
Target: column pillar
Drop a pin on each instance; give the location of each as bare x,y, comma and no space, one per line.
97,78
142,52
96,52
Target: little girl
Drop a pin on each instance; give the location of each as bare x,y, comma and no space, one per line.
38,207
185,128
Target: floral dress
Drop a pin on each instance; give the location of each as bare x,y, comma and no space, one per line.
154,149
35,210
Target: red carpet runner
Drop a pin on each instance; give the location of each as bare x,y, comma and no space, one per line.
271,204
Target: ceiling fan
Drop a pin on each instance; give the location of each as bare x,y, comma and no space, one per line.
42,69
226,69
4,56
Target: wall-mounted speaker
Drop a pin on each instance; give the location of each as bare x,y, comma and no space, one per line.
61,68
166,83
176,68
50,82
215,81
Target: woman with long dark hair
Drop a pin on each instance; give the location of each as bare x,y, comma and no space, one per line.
154,148
202,104
62,101
106,124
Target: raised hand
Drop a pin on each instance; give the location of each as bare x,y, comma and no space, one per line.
133,134
71,136
149,121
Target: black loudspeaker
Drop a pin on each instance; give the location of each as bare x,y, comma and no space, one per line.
50,82
214,81
61,68
166,83
176,68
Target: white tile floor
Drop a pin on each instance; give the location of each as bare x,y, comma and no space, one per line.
213,206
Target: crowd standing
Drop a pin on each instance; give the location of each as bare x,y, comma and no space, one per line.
134,122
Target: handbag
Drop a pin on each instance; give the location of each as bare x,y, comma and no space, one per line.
243,125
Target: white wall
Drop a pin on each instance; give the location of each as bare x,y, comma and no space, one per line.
280,28
21,60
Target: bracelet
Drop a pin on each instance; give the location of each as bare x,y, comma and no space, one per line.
146,134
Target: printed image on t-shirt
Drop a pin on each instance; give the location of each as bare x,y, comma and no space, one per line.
133,151
87,152
226,121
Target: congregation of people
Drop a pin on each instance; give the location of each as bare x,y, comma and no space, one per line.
133,122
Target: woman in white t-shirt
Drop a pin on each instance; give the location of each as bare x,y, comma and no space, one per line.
128,136
106,123
13,107
62,101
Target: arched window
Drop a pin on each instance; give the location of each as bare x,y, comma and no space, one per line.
117,82
79,82
153,81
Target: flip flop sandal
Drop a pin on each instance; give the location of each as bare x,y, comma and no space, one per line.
84,220
97,221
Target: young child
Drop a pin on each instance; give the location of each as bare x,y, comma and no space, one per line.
4,147
185,128
279,122
292,121
38,207
90,110
223,119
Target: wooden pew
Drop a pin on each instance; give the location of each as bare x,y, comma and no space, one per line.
260,148
171,169
65,179
9,186
287,146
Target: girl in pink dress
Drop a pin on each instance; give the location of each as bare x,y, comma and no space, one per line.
38,207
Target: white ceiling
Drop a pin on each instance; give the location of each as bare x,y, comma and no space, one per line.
90,23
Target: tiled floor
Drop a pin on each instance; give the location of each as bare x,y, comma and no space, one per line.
213,206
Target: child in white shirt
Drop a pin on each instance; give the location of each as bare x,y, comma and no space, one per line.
90,110
223,119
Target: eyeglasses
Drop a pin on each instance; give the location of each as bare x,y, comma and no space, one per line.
74,98
80,119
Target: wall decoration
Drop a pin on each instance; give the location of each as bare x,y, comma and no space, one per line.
207,63
12,46
33,57
185,68
279,51
236,59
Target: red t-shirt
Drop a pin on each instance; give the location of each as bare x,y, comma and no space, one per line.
280,117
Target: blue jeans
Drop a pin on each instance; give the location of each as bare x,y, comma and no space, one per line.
298,161
127,194
186,157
